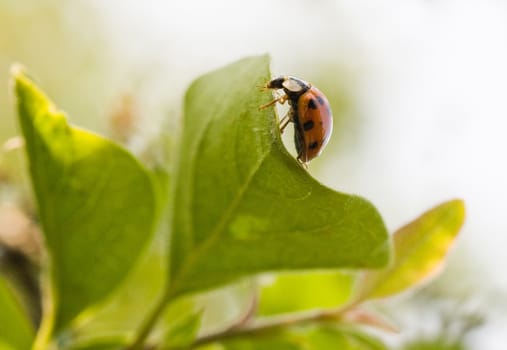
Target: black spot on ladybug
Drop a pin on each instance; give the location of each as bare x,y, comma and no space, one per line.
308,125
313,145
321,100
311,104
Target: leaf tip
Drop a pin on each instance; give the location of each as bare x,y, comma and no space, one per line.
266,56
459,205
456,209
27,93
20,79
17,69
17,72
20,82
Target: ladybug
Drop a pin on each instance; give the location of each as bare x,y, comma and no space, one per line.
309,111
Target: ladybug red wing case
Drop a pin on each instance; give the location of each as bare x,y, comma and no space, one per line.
310,112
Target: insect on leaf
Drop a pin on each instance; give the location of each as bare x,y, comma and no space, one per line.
243,205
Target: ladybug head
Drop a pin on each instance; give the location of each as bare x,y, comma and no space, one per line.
276,83
291,85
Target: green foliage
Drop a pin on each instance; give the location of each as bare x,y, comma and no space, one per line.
183,333
243,205
112,343
239,205
314,290
16,332
96,204
305,338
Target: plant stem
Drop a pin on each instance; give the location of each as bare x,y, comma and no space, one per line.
274,324
150,321
46,328
241,329
43,336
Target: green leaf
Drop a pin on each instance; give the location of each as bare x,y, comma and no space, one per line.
327,337
16,332
120,313
322,289
105,343
183,333
243,205
306,338
96,204
420,249
264,343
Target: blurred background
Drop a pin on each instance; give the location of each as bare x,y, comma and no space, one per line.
418,89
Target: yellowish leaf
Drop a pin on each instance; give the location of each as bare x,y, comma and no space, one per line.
420,249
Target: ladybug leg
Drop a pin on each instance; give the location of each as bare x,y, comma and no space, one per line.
289,117
284,122
304,164
280,99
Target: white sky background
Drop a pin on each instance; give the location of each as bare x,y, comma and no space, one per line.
431,90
